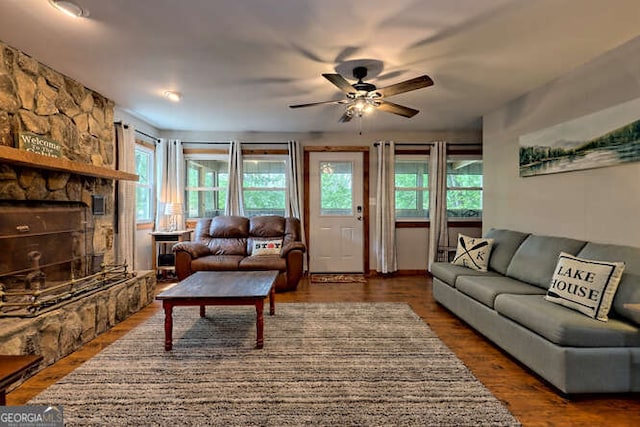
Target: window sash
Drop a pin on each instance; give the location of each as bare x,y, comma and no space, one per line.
145,185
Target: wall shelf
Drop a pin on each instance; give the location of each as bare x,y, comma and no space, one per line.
38,161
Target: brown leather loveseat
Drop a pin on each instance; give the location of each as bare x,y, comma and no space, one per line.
225,243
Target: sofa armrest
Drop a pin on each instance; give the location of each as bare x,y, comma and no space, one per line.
292,246
194,249
293,253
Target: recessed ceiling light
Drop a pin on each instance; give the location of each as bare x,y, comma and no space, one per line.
172,95
69,8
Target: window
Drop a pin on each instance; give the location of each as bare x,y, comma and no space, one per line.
264,186
206,189
464,187
145,185
336,188
412,187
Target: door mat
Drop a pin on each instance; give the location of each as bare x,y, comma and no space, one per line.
338,278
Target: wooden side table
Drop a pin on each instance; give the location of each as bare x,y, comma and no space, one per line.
165,237
12,368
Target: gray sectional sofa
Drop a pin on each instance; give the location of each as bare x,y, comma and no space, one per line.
575,353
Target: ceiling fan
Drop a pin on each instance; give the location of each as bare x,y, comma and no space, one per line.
365,97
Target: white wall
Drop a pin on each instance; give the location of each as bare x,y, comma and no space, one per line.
599,204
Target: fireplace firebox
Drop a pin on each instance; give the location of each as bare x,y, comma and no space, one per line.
47,257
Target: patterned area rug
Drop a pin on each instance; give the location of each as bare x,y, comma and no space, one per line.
338,278
322,364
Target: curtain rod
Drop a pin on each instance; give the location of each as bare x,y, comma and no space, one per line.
156,139
126,126
375,144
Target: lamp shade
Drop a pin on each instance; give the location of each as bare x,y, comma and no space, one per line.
173,209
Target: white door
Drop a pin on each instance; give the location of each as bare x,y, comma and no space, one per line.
336,242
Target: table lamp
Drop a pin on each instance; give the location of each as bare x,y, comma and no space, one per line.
173,209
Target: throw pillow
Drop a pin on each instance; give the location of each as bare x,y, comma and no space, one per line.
267,247
584,285
473,252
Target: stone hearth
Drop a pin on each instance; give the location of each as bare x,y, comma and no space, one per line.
57,333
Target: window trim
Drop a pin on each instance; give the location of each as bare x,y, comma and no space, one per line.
151,186
415,157
272,158
210,156
454,157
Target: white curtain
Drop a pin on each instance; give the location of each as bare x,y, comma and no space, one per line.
295,188
125,227
295,179
170,176
385,244
234,204
438,232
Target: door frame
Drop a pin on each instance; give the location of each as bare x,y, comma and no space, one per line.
365,194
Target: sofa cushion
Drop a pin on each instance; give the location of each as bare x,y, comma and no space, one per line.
473,252
536,258
216,263
448,272
267,226
261,247
229,227
227,246
563,326
505,244
629,288
263,262
486,289
587,286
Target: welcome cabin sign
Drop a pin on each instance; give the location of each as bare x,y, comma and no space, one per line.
38,144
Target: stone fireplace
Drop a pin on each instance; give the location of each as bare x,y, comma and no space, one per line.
49,235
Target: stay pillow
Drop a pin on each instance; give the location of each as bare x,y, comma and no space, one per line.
473,252
266,247
584,285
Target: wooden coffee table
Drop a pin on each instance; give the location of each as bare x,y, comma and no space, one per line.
220,288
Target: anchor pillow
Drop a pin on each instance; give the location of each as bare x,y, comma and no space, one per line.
473,252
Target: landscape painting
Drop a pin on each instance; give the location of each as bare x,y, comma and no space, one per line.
605,138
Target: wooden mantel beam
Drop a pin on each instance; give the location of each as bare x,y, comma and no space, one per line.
38,161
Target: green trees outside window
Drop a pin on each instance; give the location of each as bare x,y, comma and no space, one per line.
264,187
464,187
336,188
144,185
206,189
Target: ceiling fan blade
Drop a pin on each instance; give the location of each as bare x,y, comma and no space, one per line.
406,86
340,82
346,117
400,110
313,104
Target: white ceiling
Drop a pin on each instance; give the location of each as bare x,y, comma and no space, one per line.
240,63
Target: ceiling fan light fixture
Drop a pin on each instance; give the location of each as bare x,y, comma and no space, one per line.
70,8
172,95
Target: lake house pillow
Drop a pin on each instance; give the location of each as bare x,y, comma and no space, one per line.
584,285
266,247
473,252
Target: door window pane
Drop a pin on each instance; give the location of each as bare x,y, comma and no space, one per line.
336,188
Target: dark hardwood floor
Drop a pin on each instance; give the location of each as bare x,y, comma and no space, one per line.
530,399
